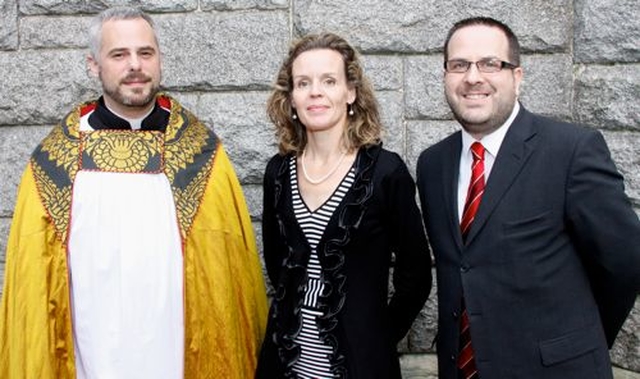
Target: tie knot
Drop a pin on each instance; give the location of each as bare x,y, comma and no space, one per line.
477,150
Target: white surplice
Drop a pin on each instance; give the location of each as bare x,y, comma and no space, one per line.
125,259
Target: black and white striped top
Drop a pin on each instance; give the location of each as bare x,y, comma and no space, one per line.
314,362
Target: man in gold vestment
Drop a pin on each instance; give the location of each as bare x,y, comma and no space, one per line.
131,252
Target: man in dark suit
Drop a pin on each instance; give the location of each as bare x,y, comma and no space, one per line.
537,246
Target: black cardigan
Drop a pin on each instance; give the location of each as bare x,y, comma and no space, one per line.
378,216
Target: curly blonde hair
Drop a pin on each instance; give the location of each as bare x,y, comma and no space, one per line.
364,127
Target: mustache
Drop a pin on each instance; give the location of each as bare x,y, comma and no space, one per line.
136,77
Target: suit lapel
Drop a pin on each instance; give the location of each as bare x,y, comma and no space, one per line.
516,148
450,174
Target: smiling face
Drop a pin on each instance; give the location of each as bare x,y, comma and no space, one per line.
128,65
320,91
481,102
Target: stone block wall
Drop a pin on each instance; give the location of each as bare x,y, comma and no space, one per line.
581,61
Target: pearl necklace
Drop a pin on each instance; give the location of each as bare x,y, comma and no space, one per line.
327,175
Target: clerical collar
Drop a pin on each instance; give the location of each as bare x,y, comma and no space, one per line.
103,118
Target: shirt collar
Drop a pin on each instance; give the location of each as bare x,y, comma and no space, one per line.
103,118
492,141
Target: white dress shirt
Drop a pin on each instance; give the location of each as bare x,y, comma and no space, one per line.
491,143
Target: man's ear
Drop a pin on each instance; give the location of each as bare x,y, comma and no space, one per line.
518,75
93,68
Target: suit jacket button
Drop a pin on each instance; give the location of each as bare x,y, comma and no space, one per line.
452,357
464,268
455,315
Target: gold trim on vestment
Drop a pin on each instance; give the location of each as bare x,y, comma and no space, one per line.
185,153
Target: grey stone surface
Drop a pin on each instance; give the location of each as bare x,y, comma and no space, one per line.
40,87
5,224
394,135
424,89
421,337
164,6
4,234
54,32
423,134
624,151
385,74
420,26
606,31
607,96
253,196
541,26
16,145
41,7
626,350
376,26
222,51
619,373
240,121
419,366
384,71
224,5
8,25
547,84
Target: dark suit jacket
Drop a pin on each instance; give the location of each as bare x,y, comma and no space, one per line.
378,215
554,239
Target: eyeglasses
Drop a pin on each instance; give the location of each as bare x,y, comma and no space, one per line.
487,65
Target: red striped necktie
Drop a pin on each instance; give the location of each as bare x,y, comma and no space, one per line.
466,360
476,188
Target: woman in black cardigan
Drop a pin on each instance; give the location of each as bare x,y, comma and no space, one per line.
337,207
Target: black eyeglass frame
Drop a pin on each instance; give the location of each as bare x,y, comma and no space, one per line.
503,65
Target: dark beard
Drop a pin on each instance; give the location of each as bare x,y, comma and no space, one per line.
129,101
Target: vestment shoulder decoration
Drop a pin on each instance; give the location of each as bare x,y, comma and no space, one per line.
189,155
185,153
55,164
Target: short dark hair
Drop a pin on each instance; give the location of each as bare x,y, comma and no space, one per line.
514,45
